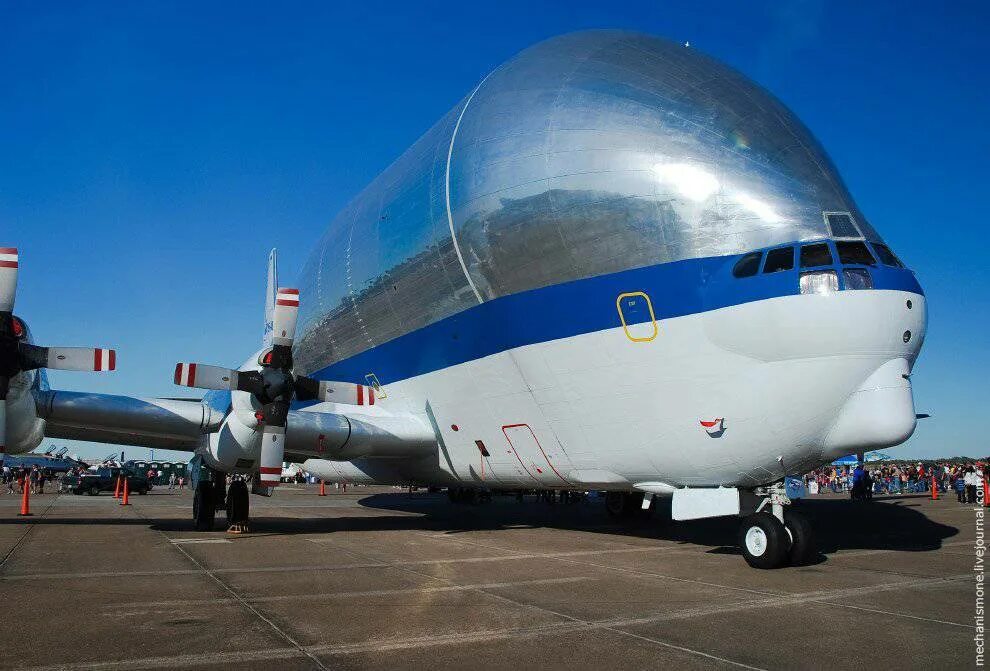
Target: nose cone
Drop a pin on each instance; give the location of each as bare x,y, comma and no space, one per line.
880,413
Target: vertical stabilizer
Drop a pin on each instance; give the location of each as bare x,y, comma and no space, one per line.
270,297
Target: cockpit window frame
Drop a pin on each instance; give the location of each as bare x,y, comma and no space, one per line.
757,255
773,252
852,220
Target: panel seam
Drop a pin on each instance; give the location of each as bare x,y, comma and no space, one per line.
450,217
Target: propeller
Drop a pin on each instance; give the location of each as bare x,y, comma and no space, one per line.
275,386
17,355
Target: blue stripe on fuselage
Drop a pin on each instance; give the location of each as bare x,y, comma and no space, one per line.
583,306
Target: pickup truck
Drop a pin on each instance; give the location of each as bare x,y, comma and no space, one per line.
104,479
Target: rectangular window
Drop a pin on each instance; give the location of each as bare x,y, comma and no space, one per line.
779,259
841,225
816,255
887,257
855,253
857,278
819,282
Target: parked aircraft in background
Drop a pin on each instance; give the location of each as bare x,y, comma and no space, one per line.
616,264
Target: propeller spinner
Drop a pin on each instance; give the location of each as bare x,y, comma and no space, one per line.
17,355
274,386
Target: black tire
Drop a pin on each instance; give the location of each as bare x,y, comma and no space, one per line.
763,541
94,490
204,511
237,503
803,549
143,491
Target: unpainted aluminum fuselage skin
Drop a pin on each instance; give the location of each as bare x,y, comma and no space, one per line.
480,280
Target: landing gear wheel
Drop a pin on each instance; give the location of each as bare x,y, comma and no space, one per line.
764,541
204,510
802,539
623,504
237,507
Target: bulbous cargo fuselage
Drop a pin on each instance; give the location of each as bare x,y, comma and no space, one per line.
554,265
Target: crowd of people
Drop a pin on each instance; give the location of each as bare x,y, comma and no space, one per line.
15,479
862,482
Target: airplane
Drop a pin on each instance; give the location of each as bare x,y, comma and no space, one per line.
617,264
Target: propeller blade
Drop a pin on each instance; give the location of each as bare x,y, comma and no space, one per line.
205,377
8,278
273,443
286,312
67,358
308,389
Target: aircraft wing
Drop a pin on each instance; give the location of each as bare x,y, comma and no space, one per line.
124,420
183,425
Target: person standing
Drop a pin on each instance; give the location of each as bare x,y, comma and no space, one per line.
960,485
970,481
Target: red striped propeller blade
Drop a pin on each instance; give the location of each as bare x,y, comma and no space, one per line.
272,454
205,377
286,312
308,389
8,278
81,358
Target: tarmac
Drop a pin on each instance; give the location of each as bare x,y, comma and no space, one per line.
377,578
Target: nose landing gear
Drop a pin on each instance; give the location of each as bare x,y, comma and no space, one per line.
774,536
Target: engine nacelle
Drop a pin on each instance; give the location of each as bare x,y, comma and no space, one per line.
235,448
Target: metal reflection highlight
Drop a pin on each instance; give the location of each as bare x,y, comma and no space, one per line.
586,154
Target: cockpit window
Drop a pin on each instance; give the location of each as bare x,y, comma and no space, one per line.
841,225
748,265
816,255
779,259
857,278
854,252
887,257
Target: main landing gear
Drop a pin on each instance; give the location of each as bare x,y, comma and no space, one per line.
212,495
774,536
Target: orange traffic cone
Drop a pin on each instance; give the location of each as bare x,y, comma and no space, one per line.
26,500
323,488
116,490
934,489
124,499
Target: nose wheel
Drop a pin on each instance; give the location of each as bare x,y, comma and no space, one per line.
764,541
775,535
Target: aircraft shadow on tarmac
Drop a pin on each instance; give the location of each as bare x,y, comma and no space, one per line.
897,523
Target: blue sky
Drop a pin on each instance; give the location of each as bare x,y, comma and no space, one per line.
152,152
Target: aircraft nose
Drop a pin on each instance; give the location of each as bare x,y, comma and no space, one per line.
879,413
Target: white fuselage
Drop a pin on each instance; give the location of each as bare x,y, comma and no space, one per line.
600,409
